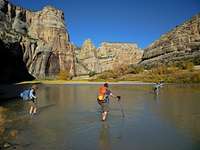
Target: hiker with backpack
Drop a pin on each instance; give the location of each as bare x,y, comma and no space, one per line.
30,95
103,100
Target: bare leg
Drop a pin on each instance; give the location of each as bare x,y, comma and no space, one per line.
34,110
104,115
31,110
35,106
157,92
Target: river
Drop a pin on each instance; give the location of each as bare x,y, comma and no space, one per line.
68,118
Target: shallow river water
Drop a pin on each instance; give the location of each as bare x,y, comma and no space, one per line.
68,118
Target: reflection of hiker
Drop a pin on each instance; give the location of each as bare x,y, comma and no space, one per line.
157,87
30,95
103,100
104,137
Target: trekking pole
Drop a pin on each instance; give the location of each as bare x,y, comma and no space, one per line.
120,105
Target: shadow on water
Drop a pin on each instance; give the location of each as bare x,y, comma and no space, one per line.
11,91
13,114
11,123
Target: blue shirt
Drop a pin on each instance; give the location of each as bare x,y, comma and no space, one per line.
108,93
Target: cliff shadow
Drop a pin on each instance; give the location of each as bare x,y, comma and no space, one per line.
10,92
13,69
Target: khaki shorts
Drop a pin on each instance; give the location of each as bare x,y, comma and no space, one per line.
104,106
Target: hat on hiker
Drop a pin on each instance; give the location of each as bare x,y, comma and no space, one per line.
105,85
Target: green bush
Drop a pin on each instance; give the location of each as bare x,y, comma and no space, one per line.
196,60
92,73
134,69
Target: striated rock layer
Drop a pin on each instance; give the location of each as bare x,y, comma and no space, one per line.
107,57
41,36
181,43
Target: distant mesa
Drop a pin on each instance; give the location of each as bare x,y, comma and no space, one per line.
106,57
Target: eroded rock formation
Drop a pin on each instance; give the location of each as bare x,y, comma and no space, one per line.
107,57
37,44
42,36
181,43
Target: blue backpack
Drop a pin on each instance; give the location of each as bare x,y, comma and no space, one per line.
25,95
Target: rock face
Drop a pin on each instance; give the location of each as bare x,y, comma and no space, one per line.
112,55
107,57
41,36
86,59
181,43
37,45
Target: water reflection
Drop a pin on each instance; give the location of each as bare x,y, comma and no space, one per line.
11,124
104,137
68,118
180,106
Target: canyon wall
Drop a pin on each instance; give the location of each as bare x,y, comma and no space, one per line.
181,43
106,57
42,39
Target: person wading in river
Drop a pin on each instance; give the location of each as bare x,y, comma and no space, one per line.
30,95
103,100
157,87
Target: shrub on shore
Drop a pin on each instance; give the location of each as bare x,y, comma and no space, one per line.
185,65
181,72
92,73
63,75
107,75
134,69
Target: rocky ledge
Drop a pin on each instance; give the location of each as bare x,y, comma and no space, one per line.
181,43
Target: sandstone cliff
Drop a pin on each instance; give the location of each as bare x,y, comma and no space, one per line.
41,38
37,45
181,43
86,59
107,57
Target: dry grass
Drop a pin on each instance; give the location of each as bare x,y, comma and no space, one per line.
63,75
181,72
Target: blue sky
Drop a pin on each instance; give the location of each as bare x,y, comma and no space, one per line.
141,21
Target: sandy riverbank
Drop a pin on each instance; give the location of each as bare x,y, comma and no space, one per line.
80,82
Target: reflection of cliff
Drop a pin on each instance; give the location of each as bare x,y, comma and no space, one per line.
182,109
10,125
2,122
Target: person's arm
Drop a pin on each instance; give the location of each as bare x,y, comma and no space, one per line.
114,96
32,95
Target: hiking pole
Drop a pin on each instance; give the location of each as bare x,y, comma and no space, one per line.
120,105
